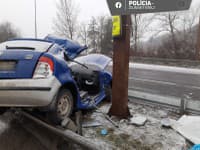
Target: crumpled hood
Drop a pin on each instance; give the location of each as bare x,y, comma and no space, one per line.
73,49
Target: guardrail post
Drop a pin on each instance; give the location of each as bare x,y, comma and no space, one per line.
183,105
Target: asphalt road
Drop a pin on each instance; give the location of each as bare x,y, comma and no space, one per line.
166,81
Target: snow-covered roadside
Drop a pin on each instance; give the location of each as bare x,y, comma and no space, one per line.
151,136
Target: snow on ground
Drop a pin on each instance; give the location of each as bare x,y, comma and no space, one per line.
151,136
164,68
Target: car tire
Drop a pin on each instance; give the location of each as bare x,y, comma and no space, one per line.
108,92
63,107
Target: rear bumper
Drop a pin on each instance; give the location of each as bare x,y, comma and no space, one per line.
28,92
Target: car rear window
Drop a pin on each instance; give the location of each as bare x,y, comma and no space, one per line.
41,46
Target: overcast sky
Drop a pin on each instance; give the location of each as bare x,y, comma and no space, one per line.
21,13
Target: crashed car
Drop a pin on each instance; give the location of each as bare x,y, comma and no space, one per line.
48,76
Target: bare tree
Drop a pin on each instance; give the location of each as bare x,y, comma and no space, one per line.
83,33
66,20
100,34
107,40
101,23
93,33
188,20
188,34
168,23
181,39
174,34
135,30
140,26
7,31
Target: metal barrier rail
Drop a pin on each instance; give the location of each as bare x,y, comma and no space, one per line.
64,133
190,106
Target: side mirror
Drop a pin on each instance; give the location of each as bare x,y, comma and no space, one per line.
66,57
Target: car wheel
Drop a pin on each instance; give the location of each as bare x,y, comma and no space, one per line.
63,107
108,92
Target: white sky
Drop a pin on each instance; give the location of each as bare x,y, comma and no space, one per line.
21,13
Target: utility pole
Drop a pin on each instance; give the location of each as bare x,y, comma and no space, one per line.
35,6
119,106
121,46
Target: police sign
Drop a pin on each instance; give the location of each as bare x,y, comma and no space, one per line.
126,7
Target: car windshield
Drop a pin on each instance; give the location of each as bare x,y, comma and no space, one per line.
41,46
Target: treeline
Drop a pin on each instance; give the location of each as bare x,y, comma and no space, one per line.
166,35
174,36
184,47
96,33
163,35
8,31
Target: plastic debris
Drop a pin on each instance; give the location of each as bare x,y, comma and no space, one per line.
104,132
188,126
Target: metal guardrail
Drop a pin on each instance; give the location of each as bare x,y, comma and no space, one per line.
66,134
190,106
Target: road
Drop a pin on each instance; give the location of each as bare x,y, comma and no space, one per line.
163,80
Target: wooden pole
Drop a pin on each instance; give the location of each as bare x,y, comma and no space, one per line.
119,106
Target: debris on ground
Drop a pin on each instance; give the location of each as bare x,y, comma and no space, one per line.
94,123
150,136
189,127
104,132
166,122
138,120
69,124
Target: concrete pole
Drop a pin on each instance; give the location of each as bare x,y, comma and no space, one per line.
35,6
